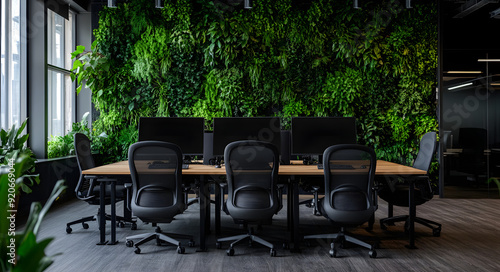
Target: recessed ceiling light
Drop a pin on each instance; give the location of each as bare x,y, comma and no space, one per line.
488,60
460,86
462,72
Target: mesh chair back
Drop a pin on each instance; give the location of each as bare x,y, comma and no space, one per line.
84,188
252,174
349,173
426,152
156,172
83,152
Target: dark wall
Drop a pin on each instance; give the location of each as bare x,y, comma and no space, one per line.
50,172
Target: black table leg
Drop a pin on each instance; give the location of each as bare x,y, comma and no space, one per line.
102,215
295,215
113,213
412,214
217,207
203,214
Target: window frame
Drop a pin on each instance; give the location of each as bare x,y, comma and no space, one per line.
66,119
6,115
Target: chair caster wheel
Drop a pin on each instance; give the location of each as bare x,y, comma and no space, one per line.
120,224
218,245
373,254
129,243
85,225
134,226
230,252
436,232
68,230
191,243
137,250
333,253
273,252
181,250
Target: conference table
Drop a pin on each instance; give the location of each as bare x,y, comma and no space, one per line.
292,171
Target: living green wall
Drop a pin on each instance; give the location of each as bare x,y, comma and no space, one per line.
281,58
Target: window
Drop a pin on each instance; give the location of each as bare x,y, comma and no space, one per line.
13,89
61,90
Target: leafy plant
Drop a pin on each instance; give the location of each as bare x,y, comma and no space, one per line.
19,250
282,58
60,146
13,146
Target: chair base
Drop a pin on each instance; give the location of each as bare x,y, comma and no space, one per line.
239,238
120,221
339,240
313,202
159,237
436,227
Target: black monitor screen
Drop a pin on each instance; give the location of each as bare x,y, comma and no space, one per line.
312,135
231,129
186,132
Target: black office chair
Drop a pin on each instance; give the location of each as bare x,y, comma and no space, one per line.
157,191
88,190
350,198
253,197
395,191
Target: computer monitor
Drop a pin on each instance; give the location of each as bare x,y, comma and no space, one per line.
312,135
186,132
231,129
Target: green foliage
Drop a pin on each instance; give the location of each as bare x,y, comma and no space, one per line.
12,148
29,253
60,146
281,58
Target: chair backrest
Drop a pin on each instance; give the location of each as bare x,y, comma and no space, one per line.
85,161
83,152
252,175
349,171
156,172
426,151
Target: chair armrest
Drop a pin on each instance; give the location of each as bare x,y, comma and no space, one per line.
222,185
128,187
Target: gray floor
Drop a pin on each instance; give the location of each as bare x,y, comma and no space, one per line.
470,241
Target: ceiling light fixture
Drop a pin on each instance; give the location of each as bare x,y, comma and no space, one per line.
111,3
247,4
460,86
355,4
462,72
488,60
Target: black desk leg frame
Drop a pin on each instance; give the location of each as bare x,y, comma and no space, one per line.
412,213
102,215
102,211
204,213
293,197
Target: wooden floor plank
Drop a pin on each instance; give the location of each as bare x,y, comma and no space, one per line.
470,241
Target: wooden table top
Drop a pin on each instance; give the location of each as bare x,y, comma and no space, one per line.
295,168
